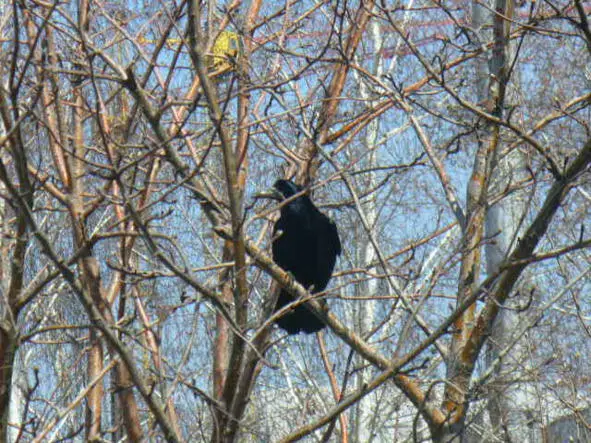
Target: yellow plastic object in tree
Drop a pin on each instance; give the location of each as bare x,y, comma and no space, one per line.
225,50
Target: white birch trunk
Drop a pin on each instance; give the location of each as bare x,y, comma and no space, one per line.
513,407
510,407
366,314
18,393
365,317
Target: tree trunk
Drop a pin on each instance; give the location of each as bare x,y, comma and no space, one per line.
511,407
505,403
7,354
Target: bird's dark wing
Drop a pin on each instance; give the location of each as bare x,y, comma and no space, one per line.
293,249
306,244
328,247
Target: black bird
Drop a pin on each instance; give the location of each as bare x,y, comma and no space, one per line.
306,244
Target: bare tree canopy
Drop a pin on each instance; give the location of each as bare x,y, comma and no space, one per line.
449,142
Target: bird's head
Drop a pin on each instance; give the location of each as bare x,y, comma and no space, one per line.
281,190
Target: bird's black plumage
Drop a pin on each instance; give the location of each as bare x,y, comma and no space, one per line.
305,243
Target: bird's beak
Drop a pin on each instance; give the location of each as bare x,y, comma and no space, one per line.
270,193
